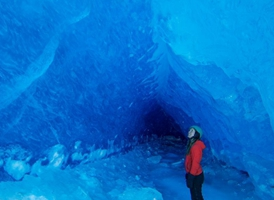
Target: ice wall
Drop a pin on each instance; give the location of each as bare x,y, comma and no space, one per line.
73,71
92,71
221,75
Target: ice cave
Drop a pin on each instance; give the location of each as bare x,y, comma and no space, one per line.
96,98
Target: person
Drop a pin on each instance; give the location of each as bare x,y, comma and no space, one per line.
194,172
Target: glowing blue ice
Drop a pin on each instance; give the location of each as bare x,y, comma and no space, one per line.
77,80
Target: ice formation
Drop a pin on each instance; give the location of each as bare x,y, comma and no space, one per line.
77,81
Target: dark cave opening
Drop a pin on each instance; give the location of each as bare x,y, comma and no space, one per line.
158,122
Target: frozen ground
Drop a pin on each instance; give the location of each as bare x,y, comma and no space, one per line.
149,171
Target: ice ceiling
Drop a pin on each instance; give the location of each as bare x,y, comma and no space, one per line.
92,71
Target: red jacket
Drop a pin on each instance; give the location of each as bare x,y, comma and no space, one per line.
193,159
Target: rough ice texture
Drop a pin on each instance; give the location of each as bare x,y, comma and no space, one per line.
91,72
17,168
73,72
220,75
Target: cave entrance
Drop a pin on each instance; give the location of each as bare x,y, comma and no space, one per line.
160,123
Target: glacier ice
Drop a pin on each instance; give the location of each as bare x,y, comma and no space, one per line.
141,194
129,174
78,83
57,156
16,168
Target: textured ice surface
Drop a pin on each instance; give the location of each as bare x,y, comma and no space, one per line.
16,168
220,75
131,175
91,72
69,75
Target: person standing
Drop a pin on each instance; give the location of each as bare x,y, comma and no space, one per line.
194,171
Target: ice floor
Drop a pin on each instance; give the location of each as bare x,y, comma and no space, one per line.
149,171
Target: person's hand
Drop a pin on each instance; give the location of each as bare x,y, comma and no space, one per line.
189,180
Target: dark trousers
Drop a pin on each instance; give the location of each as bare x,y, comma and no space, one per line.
196,190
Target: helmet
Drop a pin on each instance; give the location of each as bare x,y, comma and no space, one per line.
198,129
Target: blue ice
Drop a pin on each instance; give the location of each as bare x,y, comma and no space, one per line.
96,98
